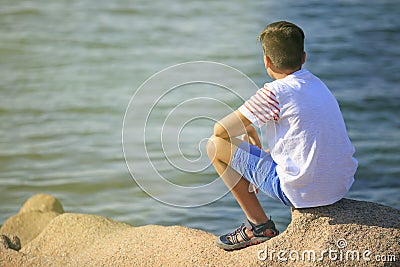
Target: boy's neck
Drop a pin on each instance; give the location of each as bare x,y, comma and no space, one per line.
277,74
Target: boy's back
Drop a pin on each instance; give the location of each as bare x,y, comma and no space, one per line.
308,138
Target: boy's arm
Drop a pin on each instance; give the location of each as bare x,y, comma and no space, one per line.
232,125
236,124
252,137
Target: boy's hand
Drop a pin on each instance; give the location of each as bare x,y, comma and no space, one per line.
252,137
253,188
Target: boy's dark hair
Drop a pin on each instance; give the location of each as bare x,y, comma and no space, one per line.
283,43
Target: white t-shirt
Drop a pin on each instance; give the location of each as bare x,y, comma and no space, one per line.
307,137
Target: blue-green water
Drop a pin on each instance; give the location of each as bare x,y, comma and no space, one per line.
69,68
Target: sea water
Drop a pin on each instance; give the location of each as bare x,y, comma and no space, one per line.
68,70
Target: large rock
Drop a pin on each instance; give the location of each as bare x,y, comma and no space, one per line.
348,233
42,203
32,218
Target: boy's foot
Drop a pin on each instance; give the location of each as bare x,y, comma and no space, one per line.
247,234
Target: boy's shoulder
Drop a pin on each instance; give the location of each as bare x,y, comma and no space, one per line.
295,83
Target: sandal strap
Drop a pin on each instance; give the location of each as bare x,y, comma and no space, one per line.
258,230
234,235
234,239
243,233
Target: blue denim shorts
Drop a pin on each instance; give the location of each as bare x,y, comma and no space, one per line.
258,167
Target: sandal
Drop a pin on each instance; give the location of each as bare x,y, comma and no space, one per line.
258,231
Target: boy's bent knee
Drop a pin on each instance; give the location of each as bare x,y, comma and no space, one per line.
219,149
212,147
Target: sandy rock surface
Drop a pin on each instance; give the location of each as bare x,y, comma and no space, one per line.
348,233
32,218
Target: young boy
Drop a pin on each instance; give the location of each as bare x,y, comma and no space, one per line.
311,160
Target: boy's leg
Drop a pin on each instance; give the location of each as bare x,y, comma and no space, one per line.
220,152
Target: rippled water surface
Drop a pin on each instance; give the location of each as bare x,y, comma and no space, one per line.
69,68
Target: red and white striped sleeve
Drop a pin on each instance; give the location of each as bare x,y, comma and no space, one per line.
261,107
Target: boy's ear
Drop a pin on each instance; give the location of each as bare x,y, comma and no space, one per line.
267,62
304,58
